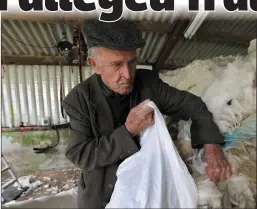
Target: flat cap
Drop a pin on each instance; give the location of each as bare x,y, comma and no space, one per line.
119,35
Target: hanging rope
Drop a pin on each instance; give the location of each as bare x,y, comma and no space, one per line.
80,57
61,92
3,68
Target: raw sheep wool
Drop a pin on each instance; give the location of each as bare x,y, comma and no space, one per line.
225,84
228,87
239,191
187,78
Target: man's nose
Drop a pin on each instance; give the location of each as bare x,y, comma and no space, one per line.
126,72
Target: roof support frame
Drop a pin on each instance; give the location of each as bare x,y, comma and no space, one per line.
173,38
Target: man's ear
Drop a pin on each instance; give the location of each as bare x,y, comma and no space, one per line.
92,63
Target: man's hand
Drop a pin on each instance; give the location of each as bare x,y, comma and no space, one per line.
218,168
139,118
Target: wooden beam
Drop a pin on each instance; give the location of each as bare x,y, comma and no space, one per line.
41,60
149,26
176,35
223,37
34,60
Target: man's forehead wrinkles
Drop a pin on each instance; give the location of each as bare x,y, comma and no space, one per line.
109,60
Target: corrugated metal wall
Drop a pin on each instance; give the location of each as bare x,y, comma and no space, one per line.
30,93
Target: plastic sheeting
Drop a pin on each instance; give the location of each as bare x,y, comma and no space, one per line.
246,131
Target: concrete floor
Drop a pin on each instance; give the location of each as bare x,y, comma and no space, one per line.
66,199
17,148
50,184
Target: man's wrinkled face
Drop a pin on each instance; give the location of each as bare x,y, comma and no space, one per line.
116,68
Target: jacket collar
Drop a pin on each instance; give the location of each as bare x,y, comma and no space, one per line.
99,101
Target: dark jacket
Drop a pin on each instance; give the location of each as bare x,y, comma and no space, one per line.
98,148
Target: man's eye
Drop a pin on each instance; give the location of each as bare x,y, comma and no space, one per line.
116,65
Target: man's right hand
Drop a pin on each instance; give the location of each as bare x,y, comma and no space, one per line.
139,118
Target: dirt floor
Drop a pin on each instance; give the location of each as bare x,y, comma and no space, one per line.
46,183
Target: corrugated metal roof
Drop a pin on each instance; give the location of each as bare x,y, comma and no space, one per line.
249,15
161,17
153,47
47,35
188,50
43,35
236,25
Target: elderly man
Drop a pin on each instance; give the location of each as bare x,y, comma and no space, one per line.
107,112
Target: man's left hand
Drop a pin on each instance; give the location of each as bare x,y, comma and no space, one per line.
218,168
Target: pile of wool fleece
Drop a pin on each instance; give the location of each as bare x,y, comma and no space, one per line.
225,84
228,87
239,191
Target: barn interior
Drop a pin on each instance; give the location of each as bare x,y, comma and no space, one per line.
43,58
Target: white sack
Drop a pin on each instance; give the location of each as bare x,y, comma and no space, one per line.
156,176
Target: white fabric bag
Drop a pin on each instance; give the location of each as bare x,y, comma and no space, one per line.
156,176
